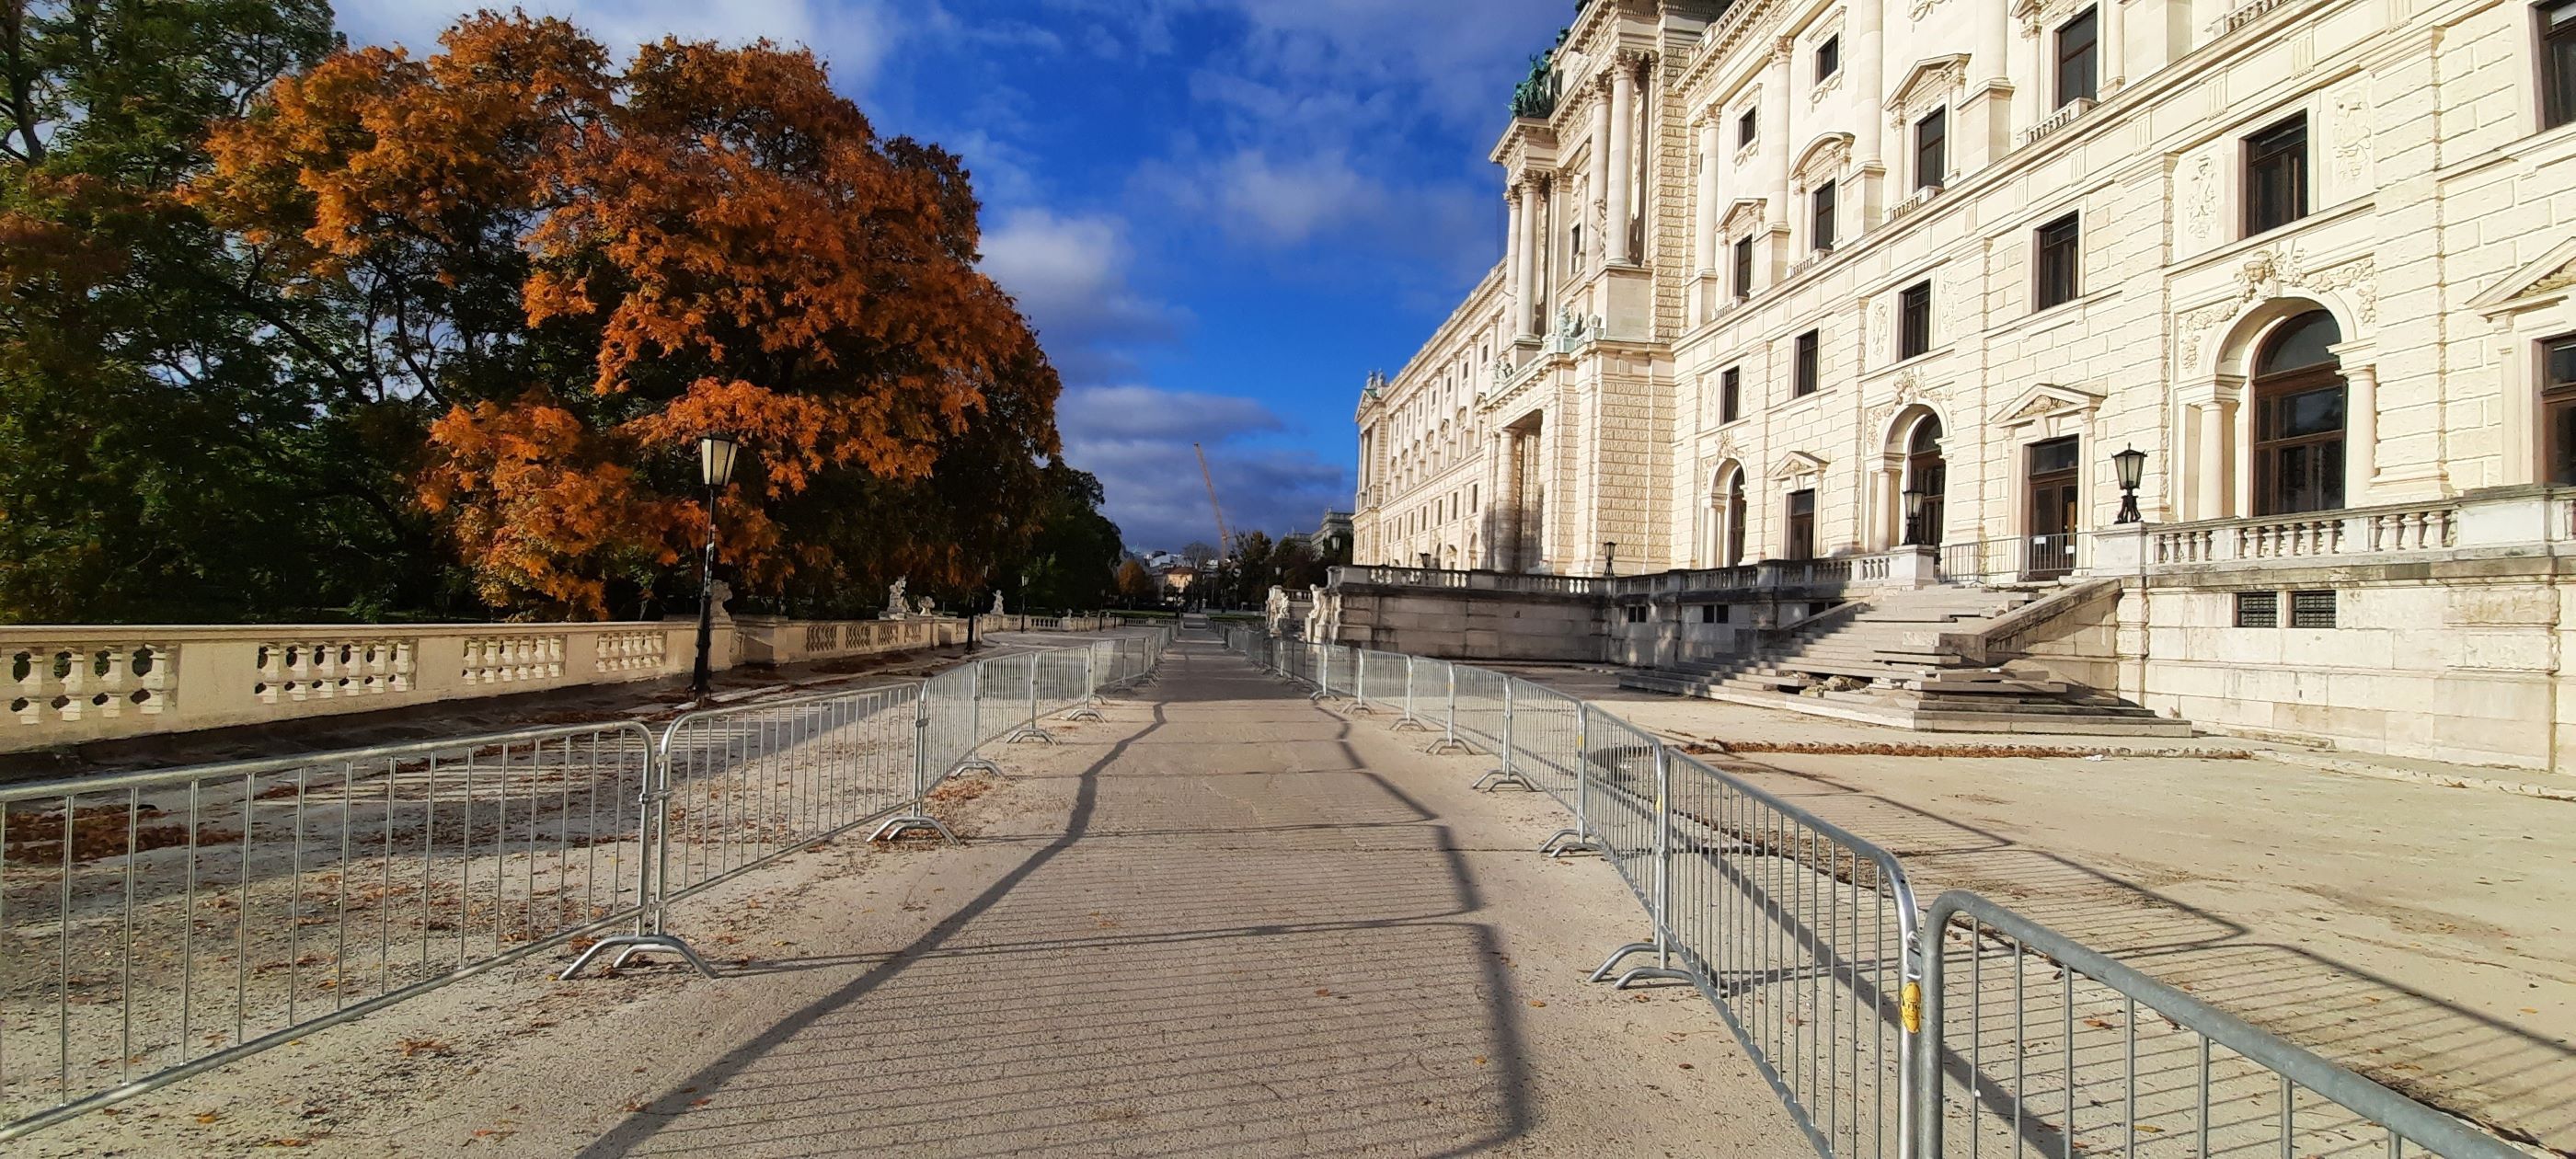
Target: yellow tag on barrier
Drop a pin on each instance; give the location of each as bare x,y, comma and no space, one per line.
1912,1009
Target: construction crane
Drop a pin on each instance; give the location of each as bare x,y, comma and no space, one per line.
1224,544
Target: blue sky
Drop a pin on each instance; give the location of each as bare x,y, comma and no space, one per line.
1221,214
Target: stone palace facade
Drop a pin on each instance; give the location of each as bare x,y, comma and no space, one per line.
1793,280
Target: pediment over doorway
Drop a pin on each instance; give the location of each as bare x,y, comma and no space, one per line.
2048,401
1796,465
2552,273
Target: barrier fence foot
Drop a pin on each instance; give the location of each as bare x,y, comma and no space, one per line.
1448,746
1363,708
1409,722
1617,955
1497,778
1029,733
1086,712
629,945
1651,974
976,764
897,826
1566,841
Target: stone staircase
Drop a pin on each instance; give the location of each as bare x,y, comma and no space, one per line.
1881,662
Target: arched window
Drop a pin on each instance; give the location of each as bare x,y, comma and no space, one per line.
2298,394
1927,474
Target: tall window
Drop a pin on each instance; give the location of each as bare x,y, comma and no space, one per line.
2078,58
1735,512
1823,204
1747,126
1744,267
1730,395
2558,406
2298,418
2060,273
1807,374
1932,148
1927,474
1914,320
2276,175
1799,539
2557,62
1829,57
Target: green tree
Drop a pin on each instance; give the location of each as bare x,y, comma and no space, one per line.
164,446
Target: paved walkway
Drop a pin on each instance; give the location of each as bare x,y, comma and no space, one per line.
1225,922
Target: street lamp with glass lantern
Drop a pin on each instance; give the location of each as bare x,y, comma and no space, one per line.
1915,498
2132,466
1609,557
716,455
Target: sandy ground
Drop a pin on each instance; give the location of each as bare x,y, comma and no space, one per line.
1221,922
2423,936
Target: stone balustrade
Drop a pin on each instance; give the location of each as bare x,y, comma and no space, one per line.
768,640
2352,531
68,684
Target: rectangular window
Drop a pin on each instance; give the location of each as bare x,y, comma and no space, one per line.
2258,609
1829,57
2276,175
1808,374
2558,406
1822,201
1914,321
1932,148
1708,613
1747,126
1636,613
2557,62
1743,267
2059,275
1472,505
1730,395
2312,609
2078,58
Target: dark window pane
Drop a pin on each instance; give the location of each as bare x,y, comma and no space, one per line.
2559,364
1730,391
1914,325
2258,609
1829,57
2312,412
1744,267
2562,440
2312,609
1745,127
2301,342
1824,207
2076,56
2059,276
2557,63
1932,148
2052,456
1808,373
2276,176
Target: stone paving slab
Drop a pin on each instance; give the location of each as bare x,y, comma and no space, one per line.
1222,922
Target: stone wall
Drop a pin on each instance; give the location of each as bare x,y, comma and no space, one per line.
1467,625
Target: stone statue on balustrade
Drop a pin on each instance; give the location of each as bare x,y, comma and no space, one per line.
997,605
896,608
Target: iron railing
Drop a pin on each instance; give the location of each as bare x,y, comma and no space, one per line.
1885,1029
157,925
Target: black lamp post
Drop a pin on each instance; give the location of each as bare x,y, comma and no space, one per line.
1915,498
715,466
1609,557
2132,466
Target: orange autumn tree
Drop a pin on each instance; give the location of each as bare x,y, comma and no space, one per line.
573,271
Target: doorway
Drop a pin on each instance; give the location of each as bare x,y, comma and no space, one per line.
2052,508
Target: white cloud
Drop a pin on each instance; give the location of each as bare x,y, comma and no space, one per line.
1070,275
1137,440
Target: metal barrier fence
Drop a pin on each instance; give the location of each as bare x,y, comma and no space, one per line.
157,925
2046,1046
1809,942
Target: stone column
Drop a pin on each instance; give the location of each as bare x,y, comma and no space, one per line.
1515,271
1623,163
1600,160
2214,461
1532,303
2115,46
2361,424
1704,225
1776,100
1869,82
